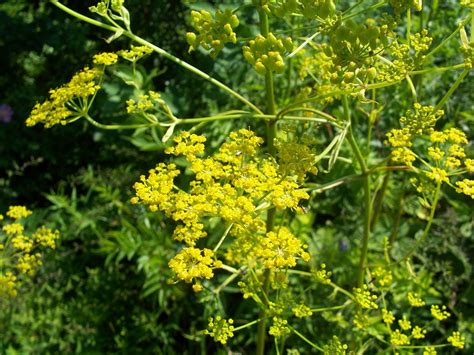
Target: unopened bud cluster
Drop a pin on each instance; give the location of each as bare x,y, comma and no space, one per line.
266,53
212,32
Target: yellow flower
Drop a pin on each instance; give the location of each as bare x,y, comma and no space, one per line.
415,300
192,263
17,212
436,153
28,263
21,242
13,228
387,316
469,165
281,249
322,275
46,237
279,327
404,324
456,340
302,311
61,103
466,187
418,333
439,314
364,298
188,145
135,53
438,175
220,329
105,58
8,284
398,339
429,350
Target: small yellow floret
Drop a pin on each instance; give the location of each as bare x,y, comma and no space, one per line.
17,212
105,58
439,314
456,340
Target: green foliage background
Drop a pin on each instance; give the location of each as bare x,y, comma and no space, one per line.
105,289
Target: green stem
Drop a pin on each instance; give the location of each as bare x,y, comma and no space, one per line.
441,45
334,308
436,70
249,324
367,195
117,126
378,203
451,90
306,339
271,135
160,51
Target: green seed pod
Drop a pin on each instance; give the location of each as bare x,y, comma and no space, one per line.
248,55
371,73
348,77
191,39
260,68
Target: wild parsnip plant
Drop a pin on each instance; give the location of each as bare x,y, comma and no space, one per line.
20,250
243,210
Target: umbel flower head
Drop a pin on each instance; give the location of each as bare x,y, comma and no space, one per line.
67,100
234,184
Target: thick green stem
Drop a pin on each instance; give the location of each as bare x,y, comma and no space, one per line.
378,202
271,135
367,195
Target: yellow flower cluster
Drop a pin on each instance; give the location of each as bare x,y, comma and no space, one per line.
66,101
280,249
105,59
220,329
415,300
234,184
135,53
418,333
296,159
17,212
429,350
322,275
466,187
446,154
404,323
387,316
456,340
302,311
335,347
28,263
364,298
265,53
439,314
46,237
383,276
18,249
8,285
279,327
398,339
193,263
213,32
